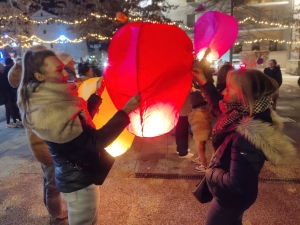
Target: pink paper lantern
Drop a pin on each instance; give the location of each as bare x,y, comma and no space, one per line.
156,61
217,31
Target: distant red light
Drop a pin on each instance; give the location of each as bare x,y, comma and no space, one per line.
243,66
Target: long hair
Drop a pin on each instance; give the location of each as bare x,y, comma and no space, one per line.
251,85
32,62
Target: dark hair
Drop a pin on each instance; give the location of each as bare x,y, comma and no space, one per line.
222,73
32,62
84,69
274,61
8,61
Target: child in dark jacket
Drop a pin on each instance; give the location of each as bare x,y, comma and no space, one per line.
246,134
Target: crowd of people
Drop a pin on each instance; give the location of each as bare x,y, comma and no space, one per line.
246,134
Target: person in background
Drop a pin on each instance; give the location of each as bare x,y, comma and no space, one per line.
182,131
248,132
221,76
87,72
80,65
274,72
69,65
1,68
201,124
10,97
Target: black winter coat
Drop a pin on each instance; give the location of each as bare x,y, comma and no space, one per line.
83,149
232,176
7,92
275,74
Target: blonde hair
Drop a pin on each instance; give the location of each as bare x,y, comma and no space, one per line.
251,85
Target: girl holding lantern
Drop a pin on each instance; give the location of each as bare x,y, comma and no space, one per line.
52,110
247,133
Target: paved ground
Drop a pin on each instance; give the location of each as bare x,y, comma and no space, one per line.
2,113
142,201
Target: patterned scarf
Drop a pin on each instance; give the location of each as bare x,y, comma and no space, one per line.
235,110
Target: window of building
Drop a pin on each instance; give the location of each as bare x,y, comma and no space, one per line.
44,31
42,14
255,46
51,45
272,46
190,20
189,1
237,48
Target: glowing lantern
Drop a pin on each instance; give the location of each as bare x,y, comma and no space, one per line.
121,17
154,60
107,110
217,31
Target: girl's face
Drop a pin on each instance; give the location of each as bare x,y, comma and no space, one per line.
53,71
230,94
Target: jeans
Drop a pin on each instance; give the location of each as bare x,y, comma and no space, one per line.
219,215
83,205
52,197
182,135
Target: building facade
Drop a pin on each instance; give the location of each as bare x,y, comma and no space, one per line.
46,33
264,28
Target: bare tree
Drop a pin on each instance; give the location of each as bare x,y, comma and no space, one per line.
77,10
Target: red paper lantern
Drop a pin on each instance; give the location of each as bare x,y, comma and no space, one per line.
121,17
217,31
154,60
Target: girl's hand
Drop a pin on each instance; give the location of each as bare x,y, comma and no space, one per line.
201,71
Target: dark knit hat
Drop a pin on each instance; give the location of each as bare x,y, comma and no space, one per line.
197,99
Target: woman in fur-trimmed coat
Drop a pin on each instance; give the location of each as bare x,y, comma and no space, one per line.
247,133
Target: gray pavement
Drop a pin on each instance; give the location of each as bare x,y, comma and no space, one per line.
126,199
2,113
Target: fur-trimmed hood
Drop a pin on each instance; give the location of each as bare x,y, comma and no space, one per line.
276,146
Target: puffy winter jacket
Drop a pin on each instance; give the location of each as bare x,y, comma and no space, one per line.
241,150
82,150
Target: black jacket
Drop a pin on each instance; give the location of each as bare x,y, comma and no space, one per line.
232,175
8,93
83,149
275,74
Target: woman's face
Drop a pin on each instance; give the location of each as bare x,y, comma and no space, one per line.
230,94
53,70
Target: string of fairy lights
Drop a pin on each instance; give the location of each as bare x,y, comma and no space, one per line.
267,23
63,39
267,39
84,20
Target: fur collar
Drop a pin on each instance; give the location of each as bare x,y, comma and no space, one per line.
53,113
276,146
